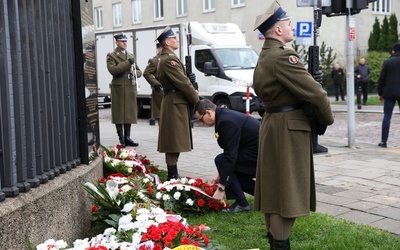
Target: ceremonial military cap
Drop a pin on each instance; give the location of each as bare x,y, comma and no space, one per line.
167,32
159,45
273,14
396,47
120,37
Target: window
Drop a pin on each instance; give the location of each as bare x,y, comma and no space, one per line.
382,6
158,9
181,6
136,11
203,56
238,3
98,17
117,12
236,58
208,5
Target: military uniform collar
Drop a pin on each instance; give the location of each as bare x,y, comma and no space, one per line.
272,43
168,51
120,53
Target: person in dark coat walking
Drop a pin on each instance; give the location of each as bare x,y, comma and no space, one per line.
175,133
389,90
149,74
237,135
362,73
285,181
121,65
337,75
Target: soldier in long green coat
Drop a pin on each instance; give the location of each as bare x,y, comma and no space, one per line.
149,74
285,185
121,65
175,133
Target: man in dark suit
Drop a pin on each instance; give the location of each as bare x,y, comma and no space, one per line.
237,135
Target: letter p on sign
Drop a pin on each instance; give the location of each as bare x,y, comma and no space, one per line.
304,29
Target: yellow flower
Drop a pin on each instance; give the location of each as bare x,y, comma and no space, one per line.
216,135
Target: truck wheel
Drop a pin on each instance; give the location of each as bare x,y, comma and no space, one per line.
223,103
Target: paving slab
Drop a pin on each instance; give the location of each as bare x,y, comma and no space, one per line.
361,184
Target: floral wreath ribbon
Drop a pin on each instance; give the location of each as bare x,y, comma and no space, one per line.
196,189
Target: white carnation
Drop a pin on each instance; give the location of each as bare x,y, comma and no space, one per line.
165,197
177,195
189,202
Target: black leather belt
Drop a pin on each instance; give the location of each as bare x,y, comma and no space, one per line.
170,90
284,108
126,76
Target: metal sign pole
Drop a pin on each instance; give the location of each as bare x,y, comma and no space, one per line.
350,77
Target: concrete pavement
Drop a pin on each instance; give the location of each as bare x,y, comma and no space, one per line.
360,184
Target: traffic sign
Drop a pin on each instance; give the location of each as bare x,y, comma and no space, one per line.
304,29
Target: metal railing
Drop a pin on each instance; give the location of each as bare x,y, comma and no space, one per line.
41,93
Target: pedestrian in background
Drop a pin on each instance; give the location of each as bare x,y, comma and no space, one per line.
362,73
237,134
121,65
389,90
149,74
285,181
337,75
175,133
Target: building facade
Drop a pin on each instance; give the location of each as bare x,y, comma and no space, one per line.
130,14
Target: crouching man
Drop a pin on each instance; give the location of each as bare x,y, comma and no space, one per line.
237,135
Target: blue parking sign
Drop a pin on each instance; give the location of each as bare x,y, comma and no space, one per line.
304,29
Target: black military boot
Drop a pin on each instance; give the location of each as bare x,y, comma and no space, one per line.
172,172
121,138
128,140
279,244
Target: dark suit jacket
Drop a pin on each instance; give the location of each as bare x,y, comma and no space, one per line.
237,135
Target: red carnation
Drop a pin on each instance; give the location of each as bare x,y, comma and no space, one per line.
94,208
209,191
149,189
156,235
185,241
157,247
97,248
200,202
205,239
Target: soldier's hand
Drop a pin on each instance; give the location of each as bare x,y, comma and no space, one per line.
157,86
318,76
131,60
192,77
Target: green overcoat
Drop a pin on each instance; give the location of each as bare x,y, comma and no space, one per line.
156,94
285,181
175,133
123,90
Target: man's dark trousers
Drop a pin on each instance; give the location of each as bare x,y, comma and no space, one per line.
239,182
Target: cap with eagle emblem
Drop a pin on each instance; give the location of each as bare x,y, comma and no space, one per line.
167,32
271,16
120,37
